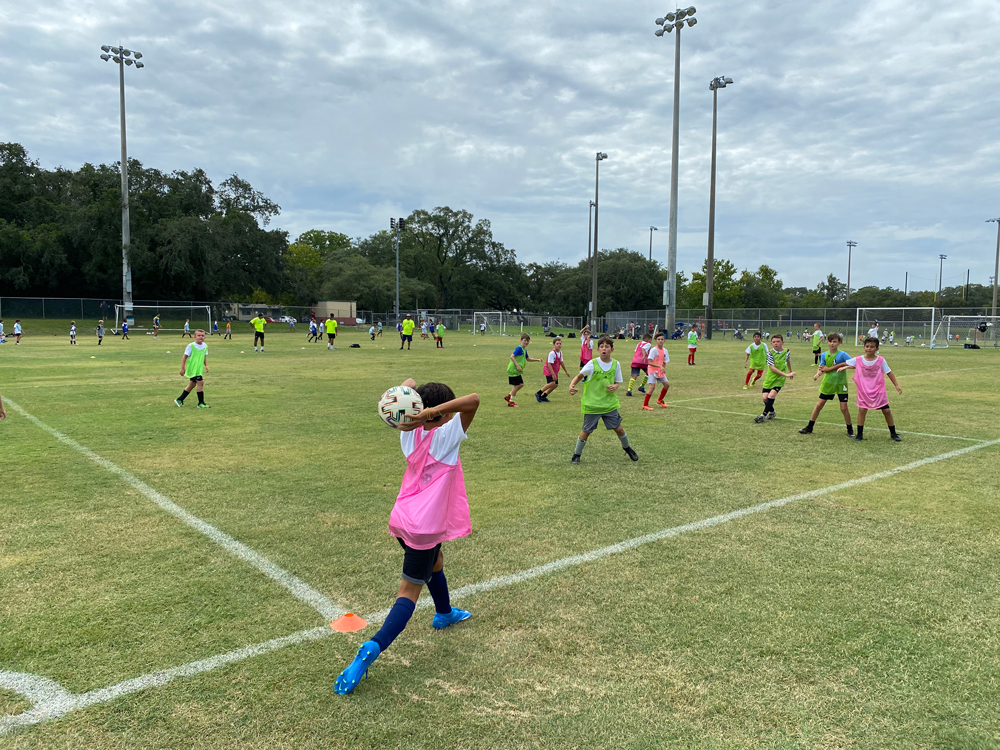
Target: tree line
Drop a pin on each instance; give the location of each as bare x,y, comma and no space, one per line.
60,236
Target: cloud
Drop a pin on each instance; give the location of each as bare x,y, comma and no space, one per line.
874,122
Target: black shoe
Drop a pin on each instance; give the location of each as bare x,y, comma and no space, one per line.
538,396
897,438
759,418
771,415
850,432
858,438
575,459
632,454
806,431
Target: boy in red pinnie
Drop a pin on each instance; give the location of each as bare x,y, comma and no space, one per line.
656,373
431,508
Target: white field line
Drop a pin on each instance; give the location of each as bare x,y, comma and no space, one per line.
59,705
298,588
834,424
751,392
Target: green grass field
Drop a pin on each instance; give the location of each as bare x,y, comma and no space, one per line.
862,616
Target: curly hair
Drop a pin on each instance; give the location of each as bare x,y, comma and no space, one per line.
435,394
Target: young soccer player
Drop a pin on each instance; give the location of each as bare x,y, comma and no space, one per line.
426,514
779,367
755,360
313,331
655,371
17,332
3,414
602,377
834,383
72,332
156,326
371,332
215,328
194,366
439,335
586,346
1,331
229,331
692,343
482,329
258,322
187,328
100,332
870,372
379,334
640,359
817,342
423,329
553,362
406,336
125,330
331,330
515,368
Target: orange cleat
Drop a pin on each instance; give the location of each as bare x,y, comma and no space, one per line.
660,403
647,408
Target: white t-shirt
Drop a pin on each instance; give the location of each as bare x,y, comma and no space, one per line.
17,328
588,369
862,362
873,333
482,326
445,441
553,360
1,328
199,347
72,330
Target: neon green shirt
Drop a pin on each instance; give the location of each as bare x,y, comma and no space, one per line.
692,339
758,355
196,355
596,398
330,326
408,327
780,361
258,323
817,335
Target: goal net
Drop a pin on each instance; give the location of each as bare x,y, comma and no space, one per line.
172,317
493,321
959,330
896,326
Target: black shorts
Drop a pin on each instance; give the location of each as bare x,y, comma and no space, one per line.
258,335
418,564
331,336
516,380
637,370
776,389
196,379
407,337
817,351
829,397
550,379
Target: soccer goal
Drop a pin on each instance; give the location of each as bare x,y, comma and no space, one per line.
896,326
959,330
493,320
172,317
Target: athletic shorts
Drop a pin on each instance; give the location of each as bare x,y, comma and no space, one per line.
776,389
258,335
583,363
550,379
817,351
331,336
829,397
196,379
516,380
654,379
612,421
418,564
692,348
407,338
637,370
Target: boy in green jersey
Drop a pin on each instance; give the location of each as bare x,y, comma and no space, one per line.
194,366
779,367
602,377
817,337
834,383
515,368
756,360
692,342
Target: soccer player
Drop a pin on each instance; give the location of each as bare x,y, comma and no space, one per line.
72,332
873,331
371,332
17,332
834,383
379,334
3,414
331,330
870,372
550,370
515,368
817,341
1,331
125,330
425,515
439,331
755,360
779,367
640,358
100,332
258,322
156,326
313,331
194,366
692,343
602,377
656,373
406,333
229,331
187,328
482,329
423,329
215,328
586,346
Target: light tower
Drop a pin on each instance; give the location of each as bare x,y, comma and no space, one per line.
851,244
716,83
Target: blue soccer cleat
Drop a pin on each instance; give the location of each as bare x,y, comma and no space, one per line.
350,677
456,615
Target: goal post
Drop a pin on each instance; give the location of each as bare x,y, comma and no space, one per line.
898,326
493,320
959,330
172,317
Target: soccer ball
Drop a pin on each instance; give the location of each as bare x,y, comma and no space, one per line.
399,405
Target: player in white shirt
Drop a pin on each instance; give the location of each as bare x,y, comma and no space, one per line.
72,332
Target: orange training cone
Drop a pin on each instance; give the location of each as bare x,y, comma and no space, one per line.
348,623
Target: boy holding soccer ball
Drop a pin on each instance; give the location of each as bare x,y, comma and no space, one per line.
431,508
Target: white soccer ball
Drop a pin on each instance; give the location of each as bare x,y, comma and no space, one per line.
399,405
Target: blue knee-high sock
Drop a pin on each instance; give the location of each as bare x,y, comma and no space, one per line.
394,623
438,586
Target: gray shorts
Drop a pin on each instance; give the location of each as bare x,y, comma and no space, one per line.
612,421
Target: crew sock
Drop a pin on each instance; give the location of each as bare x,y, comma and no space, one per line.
624,439
861,430
892,429
579,447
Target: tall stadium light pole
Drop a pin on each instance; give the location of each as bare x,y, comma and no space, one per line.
123,57
674,22
651,230
940,277
398,225
996,266
717,83
590,225
851,244
597,183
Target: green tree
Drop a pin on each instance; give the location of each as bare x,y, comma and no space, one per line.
762,288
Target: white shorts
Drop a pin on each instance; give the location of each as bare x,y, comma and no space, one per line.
654,379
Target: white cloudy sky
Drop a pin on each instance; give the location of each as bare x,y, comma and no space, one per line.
874,121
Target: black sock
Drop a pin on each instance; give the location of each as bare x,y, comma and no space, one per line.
768,405
861,430
201,397
811,423
892,429
438,587
850,429
184,395
394,622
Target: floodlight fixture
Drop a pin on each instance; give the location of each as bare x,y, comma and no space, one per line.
105,57
659,32
659,21
105,48
126,52
140,65
692,21
138,55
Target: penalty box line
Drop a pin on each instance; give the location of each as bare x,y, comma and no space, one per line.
60,704
295,585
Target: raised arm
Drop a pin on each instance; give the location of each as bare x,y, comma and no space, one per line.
465,407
